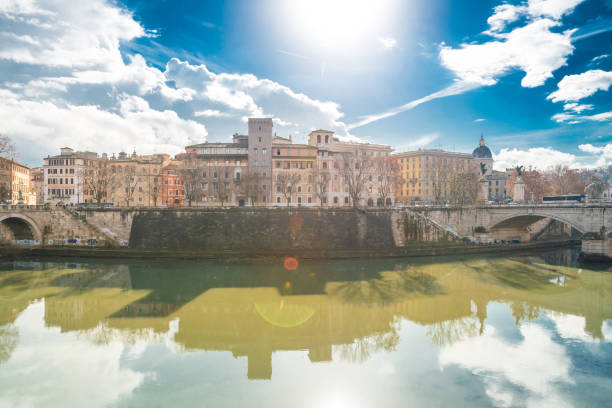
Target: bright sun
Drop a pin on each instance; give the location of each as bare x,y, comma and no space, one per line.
338,25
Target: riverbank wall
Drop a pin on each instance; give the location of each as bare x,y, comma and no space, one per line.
415,250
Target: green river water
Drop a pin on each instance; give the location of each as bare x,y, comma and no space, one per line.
522,330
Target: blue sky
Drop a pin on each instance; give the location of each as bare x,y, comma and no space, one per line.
533,76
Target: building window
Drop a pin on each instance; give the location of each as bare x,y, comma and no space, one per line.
326,138
309,200
255,163
203,186
335,200
278,198
255,151
346,201
299,200
318,138
264,151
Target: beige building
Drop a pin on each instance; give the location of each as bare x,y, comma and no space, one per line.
63,176
136,179
37,184
214,174
334,154
293,173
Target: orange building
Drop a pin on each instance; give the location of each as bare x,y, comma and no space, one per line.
172,187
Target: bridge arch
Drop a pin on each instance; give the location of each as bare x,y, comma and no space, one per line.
22,226
524,220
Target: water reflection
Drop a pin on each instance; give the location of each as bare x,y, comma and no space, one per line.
350,311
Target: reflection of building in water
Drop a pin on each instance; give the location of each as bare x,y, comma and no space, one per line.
330,310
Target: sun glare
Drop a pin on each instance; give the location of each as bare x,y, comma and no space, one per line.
339,25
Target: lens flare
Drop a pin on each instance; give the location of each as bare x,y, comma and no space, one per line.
291,263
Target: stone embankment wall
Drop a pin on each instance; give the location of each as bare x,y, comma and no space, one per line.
262,229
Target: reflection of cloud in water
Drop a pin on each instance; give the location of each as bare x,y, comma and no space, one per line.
50,368
573,327
536,365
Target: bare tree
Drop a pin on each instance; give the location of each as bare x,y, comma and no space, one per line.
128,182
285,184
354,169
463,186
439,175
223,186
249,186
386,171
7,148
154,188
189,170
100,179
321,179
566,180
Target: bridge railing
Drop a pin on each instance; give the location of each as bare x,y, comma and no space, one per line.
12,207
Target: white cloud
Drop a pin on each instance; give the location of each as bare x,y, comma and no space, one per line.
600,57
456,88
247,95
576,87
536,364
572,119
417,142
80,90
504,14
552,8
541,158
534,49
90,39
508,13
63,370
42,126
603,153
388,43
212,113
571,327
576,107
479,120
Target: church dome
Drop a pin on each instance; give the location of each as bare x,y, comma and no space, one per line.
482,151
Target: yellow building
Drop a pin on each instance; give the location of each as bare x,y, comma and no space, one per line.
424,174
15,182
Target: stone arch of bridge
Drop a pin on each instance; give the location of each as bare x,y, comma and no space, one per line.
524,220
20,224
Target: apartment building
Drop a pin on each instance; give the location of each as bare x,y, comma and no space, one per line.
333,157
427,175
293,174
214,174
136,179
15,182
64,176
172,186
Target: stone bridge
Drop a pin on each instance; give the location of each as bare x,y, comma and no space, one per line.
36,225
516,221
113,226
